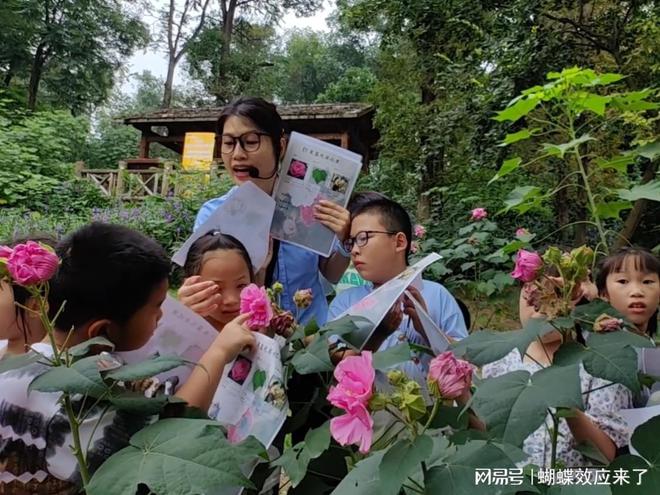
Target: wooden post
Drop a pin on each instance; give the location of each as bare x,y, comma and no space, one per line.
78,168
119,190
165,184
144,147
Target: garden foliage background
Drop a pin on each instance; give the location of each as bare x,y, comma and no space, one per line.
436,70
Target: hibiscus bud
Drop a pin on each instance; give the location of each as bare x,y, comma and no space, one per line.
378,402
303,298
396,377
522,232
420,231
282,323
528,266
449,377
607,323
277,288
31,263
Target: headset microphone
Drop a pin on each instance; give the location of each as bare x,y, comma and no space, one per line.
253,172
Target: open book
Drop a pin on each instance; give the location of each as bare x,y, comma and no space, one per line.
375,305
250,399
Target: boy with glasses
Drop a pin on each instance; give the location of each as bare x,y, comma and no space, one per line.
379,244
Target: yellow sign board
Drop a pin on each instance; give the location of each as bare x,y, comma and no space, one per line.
198,150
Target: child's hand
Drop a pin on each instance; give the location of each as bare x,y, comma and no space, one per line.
199,296
234,338
390,323
392,319
409,309
335,217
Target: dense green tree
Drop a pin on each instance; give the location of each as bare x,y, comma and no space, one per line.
67,51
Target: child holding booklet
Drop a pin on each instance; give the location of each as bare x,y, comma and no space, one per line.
217,269
381,232
114,281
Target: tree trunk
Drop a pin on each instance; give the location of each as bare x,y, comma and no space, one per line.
222,92
635,216
429,167
35,76
169,81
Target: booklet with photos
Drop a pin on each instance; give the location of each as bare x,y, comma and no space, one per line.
311,170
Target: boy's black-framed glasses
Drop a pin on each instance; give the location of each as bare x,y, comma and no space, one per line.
362,238
250,142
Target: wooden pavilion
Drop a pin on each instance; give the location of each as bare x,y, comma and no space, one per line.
348,125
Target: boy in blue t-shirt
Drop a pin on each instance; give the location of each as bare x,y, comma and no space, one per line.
381,232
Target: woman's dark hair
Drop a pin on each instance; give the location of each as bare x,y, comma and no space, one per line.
214,240
262,113
106,272
21,294
645,261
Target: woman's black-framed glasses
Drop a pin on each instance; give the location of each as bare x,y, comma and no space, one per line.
250,142
362,238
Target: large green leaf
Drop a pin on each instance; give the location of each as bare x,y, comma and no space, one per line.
595,103
619,163
317,440
294,461
313,358
456,476
523,199
561,149
176,457
146,369
587,314
507,167
610,356
650,190
394,355
403,459
515,404
137,403
486,346
518,136
82,377
645,441
83,348
650,150
517,110
9,362
612,209
363,478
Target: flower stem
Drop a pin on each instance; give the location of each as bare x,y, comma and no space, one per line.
555,437
77,446
434,412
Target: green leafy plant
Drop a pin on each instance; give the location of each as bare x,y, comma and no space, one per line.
570,121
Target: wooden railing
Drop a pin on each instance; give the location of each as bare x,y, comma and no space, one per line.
130,185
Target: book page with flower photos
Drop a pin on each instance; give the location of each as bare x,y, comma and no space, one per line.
311,170
250,399
376,304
